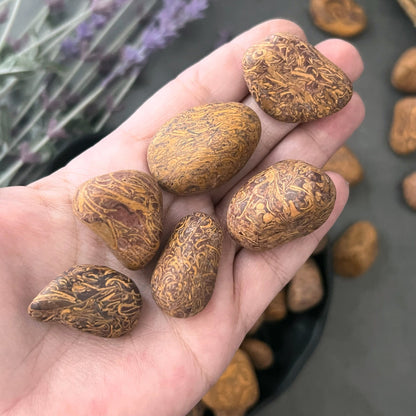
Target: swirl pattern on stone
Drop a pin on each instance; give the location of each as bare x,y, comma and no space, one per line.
94,299
125,209
290,199
204,147
184,278
292,81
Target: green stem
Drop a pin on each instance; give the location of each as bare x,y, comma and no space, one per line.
7,175
9,23
117,100
69,76
70,24
4,2
37,20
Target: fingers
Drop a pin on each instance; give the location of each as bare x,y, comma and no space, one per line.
259,276
317,141
216,78
345,56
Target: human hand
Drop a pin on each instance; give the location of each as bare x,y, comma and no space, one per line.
165,365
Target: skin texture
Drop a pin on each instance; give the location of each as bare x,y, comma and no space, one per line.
203,147
165,365
344,18
94,299
125,209
292,82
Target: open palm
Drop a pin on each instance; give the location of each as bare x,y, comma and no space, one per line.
164,365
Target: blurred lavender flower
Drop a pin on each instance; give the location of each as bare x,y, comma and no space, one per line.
163,28
73,47
56,96
26,155
4,14
70,48
54,131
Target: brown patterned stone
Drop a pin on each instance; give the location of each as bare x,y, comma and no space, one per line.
409,190
322,245
343,18
125,209
292,81
184,278
94,299
356,250
344,162
277,310
403,128
203,147
260,353
236,390
306,289
290,199
403,76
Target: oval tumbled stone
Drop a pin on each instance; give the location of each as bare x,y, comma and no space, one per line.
184,278
292,81
94,299
125,209
290,199
204,147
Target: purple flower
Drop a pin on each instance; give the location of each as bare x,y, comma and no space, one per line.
70,48
163,27
85,31
97,21
4,14
169,20
54,132
26,155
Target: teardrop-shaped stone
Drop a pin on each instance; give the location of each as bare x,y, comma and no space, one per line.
292,81
125,209
94,299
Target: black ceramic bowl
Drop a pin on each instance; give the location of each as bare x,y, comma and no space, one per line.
293,339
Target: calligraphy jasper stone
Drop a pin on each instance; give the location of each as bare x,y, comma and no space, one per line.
184,278
204,147
94,299
236,390
403,126
290,199
125,209
292,81
403,75
344,18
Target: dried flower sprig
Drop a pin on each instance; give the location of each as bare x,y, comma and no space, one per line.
54,81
